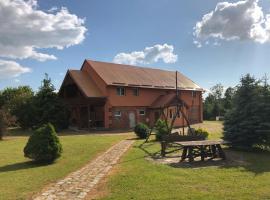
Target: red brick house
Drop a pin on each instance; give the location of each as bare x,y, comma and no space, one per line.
116,96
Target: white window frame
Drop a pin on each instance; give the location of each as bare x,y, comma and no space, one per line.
143,112
122,91
117,113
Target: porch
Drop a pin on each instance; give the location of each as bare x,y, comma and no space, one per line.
88,115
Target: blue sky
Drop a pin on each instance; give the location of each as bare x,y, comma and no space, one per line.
121,26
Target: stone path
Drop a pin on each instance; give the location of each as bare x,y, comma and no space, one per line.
77,184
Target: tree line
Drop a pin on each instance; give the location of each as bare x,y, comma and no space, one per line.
21,106
218,102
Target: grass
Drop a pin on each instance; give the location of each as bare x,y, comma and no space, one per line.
20,178
138,178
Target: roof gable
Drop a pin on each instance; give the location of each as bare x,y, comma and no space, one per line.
84,83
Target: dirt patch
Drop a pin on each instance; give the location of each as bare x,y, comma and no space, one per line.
173,160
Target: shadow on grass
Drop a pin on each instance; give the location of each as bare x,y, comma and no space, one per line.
21,166
17,131
257,162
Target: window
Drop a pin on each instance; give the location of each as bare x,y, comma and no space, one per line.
117,113
142,112
121,91
136,91
193,94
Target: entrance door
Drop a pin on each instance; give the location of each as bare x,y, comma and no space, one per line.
132,122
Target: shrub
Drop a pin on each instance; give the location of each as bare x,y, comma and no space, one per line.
44,145
141,130
161,129
201,133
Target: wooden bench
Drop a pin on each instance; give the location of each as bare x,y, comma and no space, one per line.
173,139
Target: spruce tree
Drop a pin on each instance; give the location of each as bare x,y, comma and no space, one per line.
263,130
49,107
242,121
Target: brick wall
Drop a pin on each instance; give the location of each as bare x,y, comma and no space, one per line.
123,122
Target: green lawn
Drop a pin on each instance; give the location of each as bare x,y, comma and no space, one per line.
138,178
19,178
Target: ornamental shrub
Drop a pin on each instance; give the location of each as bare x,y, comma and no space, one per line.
161,129
201,133
44,145
141,130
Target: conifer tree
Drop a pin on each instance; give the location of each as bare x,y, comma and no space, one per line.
247,124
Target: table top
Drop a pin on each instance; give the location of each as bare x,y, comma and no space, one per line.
202,142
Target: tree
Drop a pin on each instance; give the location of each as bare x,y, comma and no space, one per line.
246,124
49,107
27,116
213,104
208,106
32,110
217,91
12,100
44,145
263,129
228,97
3,123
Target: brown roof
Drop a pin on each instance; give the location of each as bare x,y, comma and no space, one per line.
127,75
85,83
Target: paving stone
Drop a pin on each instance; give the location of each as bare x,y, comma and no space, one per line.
77,184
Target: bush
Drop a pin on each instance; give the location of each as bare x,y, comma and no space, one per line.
200,133
161,129
141,130
44,145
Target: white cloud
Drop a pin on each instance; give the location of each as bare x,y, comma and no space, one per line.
148,55
10,69
197,43
242,20
53,9
25,30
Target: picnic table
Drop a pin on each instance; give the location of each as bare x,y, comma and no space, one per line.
203,149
